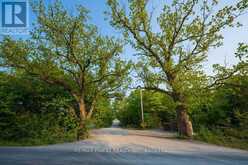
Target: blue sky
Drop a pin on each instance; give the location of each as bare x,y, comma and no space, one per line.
225,53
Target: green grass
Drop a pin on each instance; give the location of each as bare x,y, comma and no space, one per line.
230,137
34,142
40,140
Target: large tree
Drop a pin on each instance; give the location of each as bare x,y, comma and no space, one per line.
65,50
174,45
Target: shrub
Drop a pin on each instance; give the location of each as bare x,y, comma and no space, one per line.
103,114
157,109
32,112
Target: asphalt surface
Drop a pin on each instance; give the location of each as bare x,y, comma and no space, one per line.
116,146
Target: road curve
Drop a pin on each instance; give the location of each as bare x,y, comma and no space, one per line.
117,146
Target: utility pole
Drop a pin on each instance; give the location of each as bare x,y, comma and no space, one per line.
141,105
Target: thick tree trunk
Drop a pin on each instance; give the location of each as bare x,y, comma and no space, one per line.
82,131
183,122
82,109
92,107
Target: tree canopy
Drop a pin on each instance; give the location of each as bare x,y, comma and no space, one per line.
66,50
171,57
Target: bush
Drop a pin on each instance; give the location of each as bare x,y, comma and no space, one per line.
37,129
168,120
33,113
151,121
224,107
158,109
103,114
225,137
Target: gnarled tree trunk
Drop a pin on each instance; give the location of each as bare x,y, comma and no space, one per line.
82,109
183,122
82,131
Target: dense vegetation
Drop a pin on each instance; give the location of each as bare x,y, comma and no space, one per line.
171,55
34,113
158,109
67,77
220,116
223,118
67,51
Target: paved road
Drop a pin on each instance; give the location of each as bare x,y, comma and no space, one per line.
117,146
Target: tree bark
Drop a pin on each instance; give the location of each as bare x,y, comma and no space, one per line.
92,107
82,131
183,122
82,109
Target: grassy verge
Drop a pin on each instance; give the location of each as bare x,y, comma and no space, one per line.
34,142
228,137
40,140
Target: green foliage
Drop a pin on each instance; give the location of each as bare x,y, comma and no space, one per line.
33,113
158,109
222,118
151,120
103,114
230,137
129,112
224,107
172,54
85,71
67,51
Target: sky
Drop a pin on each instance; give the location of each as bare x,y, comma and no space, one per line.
221,55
